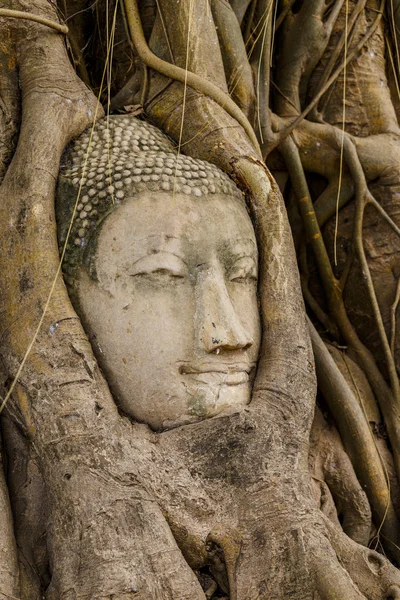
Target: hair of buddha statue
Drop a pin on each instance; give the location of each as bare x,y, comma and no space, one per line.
120,158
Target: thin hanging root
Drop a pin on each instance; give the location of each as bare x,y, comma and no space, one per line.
201,85
262,61
393,316
20,14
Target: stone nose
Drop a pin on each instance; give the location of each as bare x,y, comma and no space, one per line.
219,325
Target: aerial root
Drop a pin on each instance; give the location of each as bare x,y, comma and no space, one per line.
20,14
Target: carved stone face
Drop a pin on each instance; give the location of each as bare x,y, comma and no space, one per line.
173,314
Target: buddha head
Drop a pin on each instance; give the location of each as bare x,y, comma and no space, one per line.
161,265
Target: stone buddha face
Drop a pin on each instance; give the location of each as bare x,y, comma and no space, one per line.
168,296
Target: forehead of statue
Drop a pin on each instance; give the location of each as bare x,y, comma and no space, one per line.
196,230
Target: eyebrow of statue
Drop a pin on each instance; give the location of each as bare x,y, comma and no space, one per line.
165,237
162,243
237,245
161,251
160,246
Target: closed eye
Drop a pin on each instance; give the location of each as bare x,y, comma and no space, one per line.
161,265
244,270
163,271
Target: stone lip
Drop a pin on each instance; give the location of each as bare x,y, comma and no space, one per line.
224,374
216,377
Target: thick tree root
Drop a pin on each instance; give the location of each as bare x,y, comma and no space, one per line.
338,491
184,76
353,426
9,575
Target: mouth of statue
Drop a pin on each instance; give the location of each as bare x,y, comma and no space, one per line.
230,375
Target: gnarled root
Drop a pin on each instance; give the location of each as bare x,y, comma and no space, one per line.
335,481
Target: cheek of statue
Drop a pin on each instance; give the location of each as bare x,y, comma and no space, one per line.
173,315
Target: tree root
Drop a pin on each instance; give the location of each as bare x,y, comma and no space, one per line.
237,69
358,441
19,14
373,575
388,399
278,139
393,320
296,63
338,491
176,73
106,475
9,573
